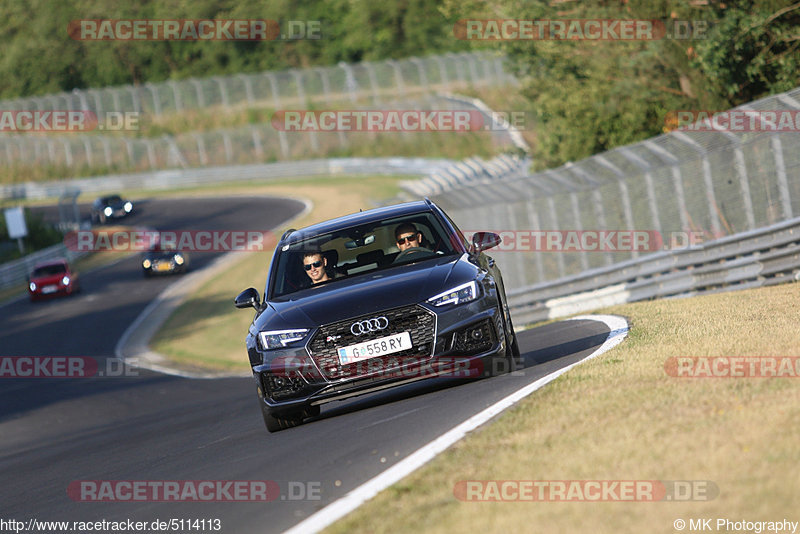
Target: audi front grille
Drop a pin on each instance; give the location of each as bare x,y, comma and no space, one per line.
416,320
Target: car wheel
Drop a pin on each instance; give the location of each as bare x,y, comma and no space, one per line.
515,356
276,423
511,360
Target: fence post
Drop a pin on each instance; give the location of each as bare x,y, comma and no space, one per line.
373,82
398,77
176,95
443,79
423,77
551,205
151,154
156,101
350,82
257,146
198,89
137,107
780,175
201,149
106,150
67,153
708,181
326,86
223,91
226,142
88,150
533,221
248,89
98,103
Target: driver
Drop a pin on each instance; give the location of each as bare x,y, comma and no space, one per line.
407,236
314,264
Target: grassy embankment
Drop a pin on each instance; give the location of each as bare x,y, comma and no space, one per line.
622,417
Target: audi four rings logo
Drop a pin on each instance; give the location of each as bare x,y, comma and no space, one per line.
370,325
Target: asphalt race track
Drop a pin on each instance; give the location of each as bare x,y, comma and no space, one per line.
154,427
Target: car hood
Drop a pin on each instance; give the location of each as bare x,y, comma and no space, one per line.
367,293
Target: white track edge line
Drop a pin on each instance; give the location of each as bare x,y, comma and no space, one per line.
119,348
618,327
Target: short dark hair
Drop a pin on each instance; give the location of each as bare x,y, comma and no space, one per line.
403,228
313,252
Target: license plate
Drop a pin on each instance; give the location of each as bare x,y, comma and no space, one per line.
49,289
375,348
162,267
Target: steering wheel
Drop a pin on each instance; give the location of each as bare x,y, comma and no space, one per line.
410,252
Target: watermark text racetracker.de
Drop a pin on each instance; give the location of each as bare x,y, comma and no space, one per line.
579,29
193,490
734,120
65,121
733,366
127,240
193,30
585,490
596,240
65,367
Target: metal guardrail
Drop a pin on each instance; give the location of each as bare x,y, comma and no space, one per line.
763,257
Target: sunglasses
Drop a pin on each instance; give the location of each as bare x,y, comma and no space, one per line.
314,265
409,238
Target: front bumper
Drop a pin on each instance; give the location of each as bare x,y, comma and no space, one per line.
291,379
51,290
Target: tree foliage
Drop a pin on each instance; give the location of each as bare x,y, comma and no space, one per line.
39,57
590,96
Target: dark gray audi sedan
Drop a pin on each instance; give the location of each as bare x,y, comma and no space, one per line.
375,300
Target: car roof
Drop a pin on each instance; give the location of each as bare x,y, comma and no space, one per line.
362,217
49,263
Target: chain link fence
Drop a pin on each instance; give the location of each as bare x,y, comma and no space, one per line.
366,81
683,184
408,84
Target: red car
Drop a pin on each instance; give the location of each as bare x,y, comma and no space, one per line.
52,278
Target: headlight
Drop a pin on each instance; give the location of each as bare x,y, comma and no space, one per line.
146,264
178,259
277,339
32,286
65,281
128,207
108,211
457,295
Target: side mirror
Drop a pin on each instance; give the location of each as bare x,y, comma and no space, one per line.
249,298
484,241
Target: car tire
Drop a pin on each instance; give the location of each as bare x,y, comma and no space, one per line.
510,362
275,423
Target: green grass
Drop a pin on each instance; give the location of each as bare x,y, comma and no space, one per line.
620,417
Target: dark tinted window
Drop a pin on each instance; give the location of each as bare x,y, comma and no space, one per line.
357,250
48,270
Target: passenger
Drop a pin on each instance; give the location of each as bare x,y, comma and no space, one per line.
407,236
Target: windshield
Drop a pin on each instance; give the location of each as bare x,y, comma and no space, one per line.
349,252
48,270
